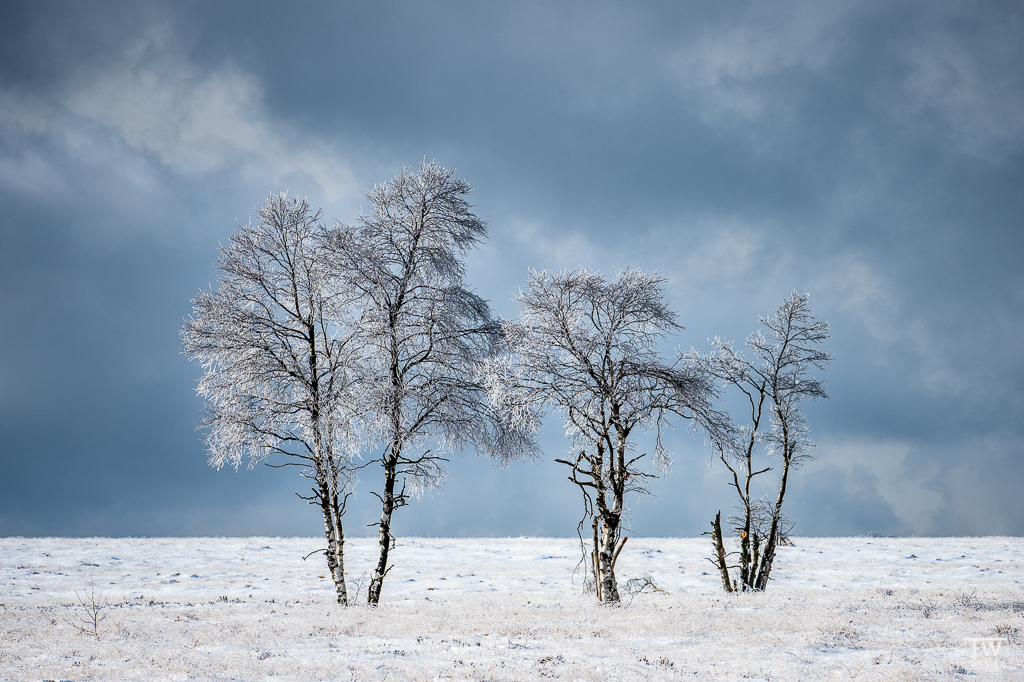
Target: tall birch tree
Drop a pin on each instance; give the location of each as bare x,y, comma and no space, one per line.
773,385
278,355
424,336
586,347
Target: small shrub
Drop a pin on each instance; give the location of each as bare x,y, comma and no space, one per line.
89,612
839,635
967,602
637,585
1010,632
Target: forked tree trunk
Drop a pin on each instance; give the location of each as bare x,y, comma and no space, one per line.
766,564
388,504
768,556
607,520
328,495
335,541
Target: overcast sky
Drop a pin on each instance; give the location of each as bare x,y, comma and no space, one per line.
871,154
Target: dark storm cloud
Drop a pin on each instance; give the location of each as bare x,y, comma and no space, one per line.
869,154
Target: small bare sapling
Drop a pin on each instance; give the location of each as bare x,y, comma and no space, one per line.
88,612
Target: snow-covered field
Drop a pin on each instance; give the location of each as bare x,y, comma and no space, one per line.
251,608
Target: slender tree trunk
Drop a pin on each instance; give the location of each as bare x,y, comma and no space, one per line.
606,520
716,538
606,535
606,541
749,542
766,562
607,538
768,555
388,500
755,558
335,541
388,505
328,495
747,566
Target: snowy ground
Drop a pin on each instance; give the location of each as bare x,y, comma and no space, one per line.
250,608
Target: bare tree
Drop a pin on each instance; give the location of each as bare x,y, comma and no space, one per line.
423,335
279,360
773,385
92,610
586,347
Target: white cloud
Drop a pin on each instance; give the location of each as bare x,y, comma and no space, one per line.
28,115
865,295
553,249
747,75
180,117
905,485
54,156
733,70
720,259
862,293
191,120
724,250
969,79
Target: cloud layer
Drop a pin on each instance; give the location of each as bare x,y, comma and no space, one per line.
869,154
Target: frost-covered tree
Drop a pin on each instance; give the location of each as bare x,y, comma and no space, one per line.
279,360
586,347
773,386
423,336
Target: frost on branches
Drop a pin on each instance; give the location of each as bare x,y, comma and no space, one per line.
320,345
773,384
586,347
280,357
423,336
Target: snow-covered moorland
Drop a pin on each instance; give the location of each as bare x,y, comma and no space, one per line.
251,608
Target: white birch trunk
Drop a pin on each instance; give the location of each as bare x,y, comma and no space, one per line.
388,504
606,554
335,542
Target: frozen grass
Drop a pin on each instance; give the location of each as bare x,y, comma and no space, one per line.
506,609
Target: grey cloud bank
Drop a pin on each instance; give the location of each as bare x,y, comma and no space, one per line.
870,155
